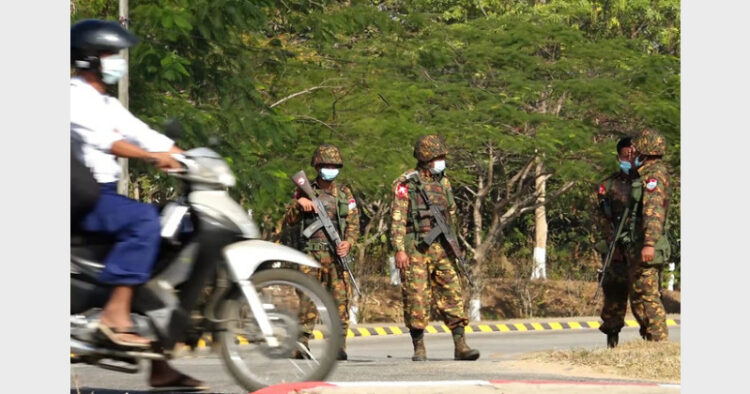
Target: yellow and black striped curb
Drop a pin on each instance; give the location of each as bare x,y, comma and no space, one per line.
442,328
488,327
436,329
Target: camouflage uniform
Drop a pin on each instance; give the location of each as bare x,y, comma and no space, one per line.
648,229
431,272
344,214
430,268
616,191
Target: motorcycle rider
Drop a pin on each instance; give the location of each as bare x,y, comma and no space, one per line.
102,129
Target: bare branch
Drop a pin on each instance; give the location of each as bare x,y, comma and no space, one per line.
560,102
499,221
467,245
301,118
481,7
535,206
525,173
490,172
384,100
306,91
468,189
519,176
426,74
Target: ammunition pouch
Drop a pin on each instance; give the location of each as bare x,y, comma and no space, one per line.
431,236
316,245
424,213
424,235
312,228
662,251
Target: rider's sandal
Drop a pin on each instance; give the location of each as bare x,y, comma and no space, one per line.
182,383
111,334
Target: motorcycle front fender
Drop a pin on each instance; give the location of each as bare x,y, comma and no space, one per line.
243,258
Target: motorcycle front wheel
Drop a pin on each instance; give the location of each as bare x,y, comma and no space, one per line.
288,297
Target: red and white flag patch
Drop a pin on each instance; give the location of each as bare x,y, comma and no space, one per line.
651,184
401,191
352,204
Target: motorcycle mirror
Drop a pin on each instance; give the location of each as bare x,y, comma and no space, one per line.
173,129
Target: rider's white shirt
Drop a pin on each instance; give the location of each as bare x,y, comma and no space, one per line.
97,121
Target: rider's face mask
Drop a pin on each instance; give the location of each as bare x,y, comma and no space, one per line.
438,166
625,166
114,67
328,174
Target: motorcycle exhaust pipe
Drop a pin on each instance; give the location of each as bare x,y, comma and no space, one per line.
80,348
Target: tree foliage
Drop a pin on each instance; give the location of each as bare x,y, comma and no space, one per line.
265,82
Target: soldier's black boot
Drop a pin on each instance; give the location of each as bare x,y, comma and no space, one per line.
342,353
463,351
417,339
612,340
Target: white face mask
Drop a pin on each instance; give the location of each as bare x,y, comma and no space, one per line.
438,167
328,174
113,69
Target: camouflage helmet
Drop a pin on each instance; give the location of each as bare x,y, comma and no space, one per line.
327,154
650,142
429,147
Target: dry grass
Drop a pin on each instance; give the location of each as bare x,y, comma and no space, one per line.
501,299
636,359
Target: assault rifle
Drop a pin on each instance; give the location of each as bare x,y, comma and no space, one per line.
324,222
441,228
611,251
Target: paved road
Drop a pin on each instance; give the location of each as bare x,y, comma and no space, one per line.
385,358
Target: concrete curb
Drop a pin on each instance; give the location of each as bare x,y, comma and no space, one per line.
297,387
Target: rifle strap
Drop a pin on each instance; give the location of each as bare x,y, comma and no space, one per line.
414,207
342,223
637,195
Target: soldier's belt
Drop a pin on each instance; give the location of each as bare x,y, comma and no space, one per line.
315,245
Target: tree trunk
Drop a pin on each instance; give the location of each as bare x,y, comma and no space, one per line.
540,219
475,293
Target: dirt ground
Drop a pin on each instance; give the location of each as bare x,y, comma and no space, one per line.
502,299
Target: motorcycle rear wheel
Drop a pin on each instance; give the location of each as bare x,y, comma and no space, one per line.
253,363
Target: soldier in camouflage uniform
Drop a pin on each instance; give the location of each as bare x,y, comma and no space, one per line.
427,270
614,197
650,248
342,209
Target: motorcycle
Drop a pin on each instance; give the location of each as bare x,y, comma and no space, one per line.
214,277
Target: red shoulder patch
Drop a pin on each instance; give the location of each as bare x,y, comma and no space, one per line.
651,184
602,190
401,191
